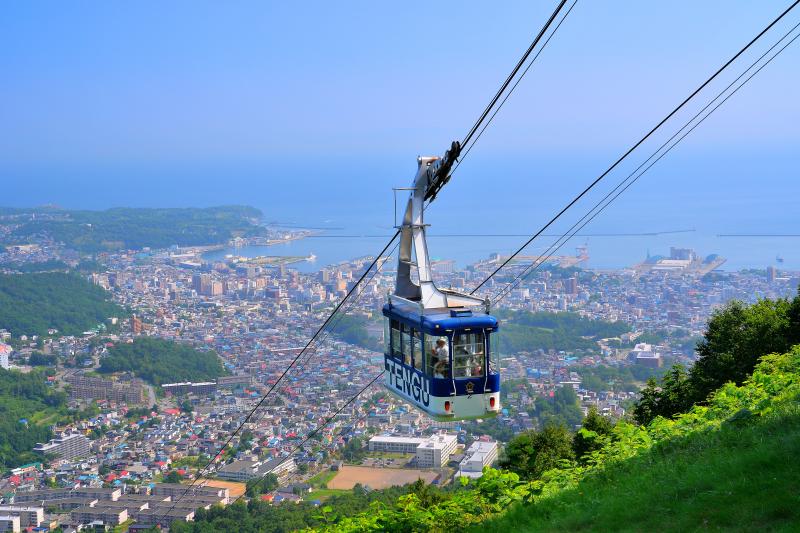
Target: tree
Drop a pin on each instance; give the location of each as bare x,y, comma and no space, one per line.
173,477
353,451
246,440
160,361
32,304
258,486
532,453
40,359
736,338
585,440
23,398
427,495
562,408
120,228
526,331
646,409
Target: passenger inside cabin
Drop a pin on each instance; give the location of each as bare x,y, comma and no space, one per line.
477,367
441,355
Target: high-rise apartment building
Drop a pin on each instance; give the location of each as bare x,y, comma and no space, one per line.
66,447
91,388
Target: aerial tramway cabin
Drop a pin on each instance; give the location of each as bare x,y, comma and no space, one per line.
461,381
439,355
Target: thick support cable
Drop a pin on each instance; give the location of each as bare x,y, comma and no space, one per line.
511,76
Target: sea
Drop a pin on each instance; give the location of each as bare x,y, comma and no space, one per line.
740,205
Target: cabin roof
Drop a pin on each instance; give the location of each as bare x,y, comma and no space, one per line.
437,320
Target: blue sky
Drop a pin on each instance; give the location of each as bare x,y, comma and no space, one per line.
105,81
334,99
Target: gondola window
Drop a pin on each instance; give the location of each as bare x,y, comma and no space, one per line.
469,354
416,349
397,352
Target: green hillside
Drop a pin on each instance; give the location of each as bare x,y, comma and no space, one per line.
159,361
28,406
710,447
743,477
526,331
30,304
725,465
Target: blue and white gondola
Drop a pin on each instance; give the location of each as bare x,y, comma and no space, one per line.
465,385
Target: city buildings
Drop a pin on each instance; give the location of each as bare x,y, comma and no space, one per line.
258,319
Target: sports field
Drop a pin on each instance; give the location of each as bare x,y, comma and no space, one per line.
377,478
235,489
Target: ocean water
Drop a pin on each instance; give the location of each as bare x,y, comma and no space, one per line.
688,200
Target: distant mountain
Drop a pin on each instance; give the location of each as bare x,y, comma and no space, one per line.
130,228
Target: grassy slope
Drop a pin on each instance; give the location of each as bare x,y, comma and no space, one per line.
744,478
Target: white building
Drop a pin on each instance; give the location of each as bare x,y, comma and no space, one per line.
430,452
395,444
644,354
478,455
435,451
66,447
246,470
176,490
9,523
28,516
108,515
